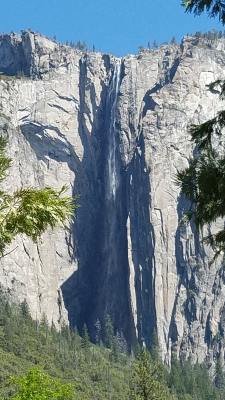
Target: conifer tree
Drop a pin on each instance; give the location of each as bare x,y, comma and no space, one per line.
85,337
219,376
109,332
84,45
30,210
25,312
44,322
121,342
176,380
155,45
154,348
188,378
213,8
146,381
98,331
203,182
173,40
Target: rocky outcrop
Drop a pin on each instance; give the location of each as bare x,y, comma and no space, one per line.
116,131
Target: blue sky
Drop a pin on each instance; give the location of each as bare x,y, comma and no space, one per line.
117,26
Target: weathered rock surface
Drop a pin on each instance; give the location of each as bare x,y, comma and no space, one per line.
116,132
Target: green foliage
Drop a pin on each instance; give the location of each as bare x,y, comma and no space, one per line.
80,46
219,376
175,376
30,210
32,350
85,338
5,162
209,37
6,78
37,385
109,332
154,349
25,344
173,40
212,7
155,45
203,181
147,380
20,74
98,331
192,382
204,186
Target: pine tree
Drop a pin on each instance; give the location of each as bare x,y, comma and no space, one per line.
76,341
146,379
121,343
84,46
154,348
188,378
30,210
203,181
44,327
209,35
219,376
85,337
109,332
155,45
213,7
203,386
8,309
79,45
176,380
25,311
115,350
173,40
198,34
65,332
44,322
215,33
98,331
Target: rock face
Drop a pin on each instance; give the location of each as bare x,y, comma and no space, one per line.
115,130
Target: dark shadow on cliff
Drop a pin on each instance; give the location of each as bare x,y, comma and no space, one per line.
143,243
150,103
79,290
98,240
100,286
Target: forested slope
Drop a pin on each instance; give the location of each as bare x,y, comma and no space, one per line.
96,371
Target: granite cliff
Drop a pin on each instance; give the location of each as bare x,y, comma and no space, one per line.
115,130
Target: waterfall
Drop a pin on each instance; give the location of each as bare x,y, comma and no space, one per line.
113,96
